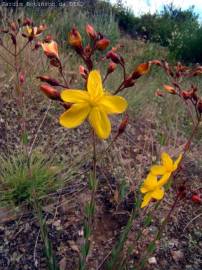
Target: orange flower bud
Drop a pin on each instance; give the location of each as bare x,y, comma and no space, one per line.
123,125
50,49
102,44
49,80
141,70
74,38
83,71
170,89
50,92
91,31
199,105
111,67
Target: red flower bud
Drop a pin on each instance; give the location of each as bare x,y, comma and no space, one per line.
129,82
158,93
114,57
123,125
49,80
111,67
21,77
196,198
27,21
102,44
50,92
83,71
91,31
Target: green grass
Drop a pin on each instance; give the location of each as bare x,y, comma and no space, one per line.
18,182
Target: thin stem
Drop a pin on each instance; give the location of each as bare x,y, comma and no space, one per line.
63,76
25,45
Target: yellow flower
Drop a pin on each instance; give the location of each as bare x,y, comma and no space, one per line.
93,104
153,189
167,168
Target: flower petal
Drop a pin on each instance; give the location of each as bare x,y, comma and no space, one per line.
113,104
164,179
158,170
75,115
100,122
176,163
167,161
147,198
74,96
94,84
158,194
149,183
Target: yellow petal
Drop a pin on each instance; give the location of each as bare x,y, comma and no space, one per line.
100,123
158,170
158,194
75,115
74,96
176,163
164,179
167,161
149,183
113,104
147,198
94,84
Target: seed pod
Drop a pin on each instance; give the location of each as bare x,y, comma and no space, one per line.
170,89
123,125
114,57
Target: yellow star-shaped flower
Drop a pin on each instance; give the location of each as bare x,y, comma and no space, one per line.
167,167
93,104
152,188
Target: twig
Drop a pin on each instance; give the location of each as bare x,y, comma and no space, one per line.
192,221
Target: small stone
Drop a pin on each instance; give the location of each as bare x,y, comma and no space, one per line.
177,255
152,260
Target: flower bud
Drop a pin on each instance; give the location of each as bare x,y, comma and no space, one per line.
187,94
50,49
111,67
141,70
114,57
155,62
27,22
91,31
13,38
170,89
102,44
49,80
158,93
41,29
21,77
129,82
13,26
196,198
123,125
50,92
48,39
74,38
83,71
